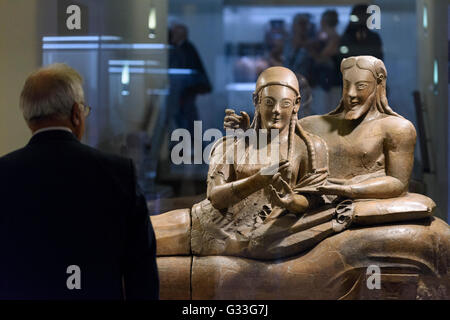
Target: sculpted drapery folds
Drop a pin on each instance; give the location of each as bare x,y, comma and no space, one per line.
245,206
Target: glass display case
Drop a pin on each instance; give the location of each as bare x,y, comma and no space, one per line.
151,67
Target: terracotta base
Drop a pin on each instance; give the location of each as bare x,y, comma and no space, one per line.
414,260
175,277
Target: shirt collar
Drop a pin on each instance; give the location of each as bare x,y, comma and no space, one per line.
51,129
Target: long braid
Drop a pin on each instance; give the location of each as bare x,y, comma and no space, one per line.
309,146
292,126
256,124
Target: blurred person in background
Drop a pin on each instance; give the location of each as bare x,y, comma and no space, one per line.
325,78
296,50
357,39
275,38
185,85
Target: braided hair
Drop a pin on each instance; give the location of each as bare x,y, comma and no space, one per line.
294,127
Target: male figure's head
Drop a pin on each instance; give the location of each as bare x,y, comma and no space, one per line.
276,98
364,78
53,96
364,88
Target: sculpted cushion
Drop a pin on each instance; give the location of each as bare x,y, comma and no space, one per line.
410,206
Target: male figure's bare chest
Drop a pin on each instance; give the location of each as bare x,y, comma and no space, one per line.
356,151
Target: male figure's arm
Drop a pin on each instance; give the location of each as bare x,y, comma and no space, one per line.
399,144
398,147
140,277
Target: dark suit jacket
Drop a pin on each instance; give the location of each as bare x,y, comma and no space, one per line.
63,203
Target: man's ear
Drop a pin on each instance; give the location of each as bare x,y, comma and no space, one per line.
76,115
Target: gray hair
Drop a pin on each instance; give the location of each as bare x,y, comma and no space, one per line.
51,92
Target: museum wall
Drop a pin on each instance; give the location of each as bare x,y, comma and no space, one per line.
19,55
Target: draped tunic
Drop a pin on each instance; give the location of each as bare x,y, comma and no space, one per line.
241,229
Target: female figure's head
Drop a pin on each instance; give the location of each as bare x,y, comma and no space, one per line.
276,99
